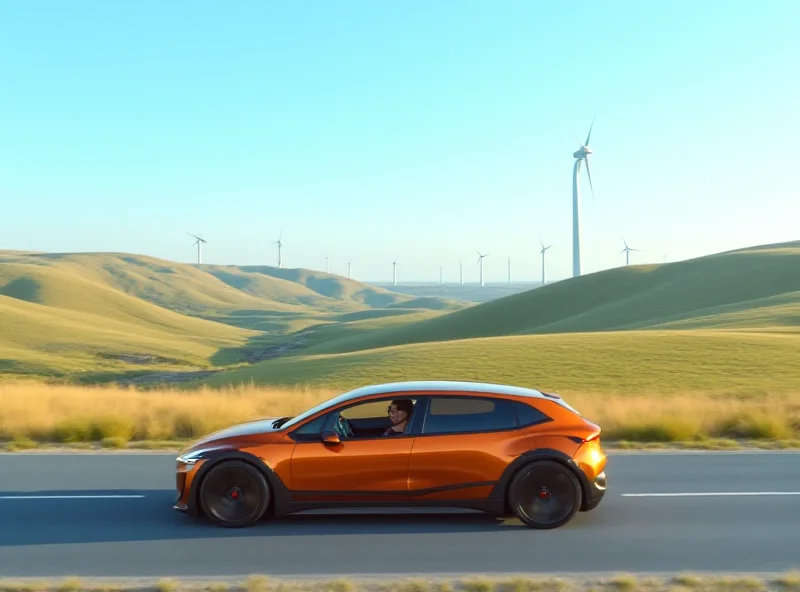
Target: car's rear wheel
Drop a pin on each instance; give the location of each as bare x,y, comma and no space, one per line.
545,494
234,494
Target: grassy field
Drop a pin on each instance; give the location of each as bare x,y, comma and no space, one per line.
754,289
657,363
100,316
32,412
700,349
678,582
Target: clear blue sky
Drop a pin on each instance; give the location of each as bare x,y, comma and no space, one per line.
371,129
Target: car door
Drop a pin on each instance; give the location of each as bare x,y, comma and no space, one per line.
358,468
458,453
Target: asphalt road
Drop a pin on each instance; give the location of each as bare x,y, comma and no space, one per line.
47,530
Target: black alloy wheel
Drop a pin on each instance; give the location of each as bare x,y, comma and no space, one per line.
545,494
234,494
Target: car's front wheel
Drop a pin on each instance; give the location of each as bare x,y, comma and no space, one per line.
545,494
234,494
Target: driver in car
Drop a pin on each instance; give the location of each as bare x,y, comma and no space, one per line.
399,412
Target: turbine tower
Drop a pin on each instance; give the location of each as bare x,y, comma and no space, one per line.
280,244
627,250
480,261
509,270
199,242
440,275
461,272
581,155
394,270
349,263
543,251
326,264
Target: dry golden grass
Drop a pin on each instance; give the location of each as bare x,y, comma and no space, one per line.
32,412
502,583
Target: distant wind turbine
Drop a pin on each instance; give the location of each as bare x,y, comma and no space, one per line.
580,155
627,250
326,265
349,263
480,261
280,244
509,270
440,275
394,270
461,272
199,242
543,251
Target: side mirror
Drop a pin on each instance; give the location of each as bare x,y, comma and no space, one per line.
330,437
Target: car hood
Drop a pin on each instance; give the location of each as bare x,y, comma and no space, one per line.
250,428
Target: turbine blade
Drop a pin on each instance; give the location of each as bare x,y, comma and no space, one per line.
589,135
588,172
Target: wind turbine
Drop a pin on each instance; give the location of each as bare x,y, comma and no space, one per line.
349,263
280,244
543,251
394,270
580,155
461,272
326,264
627,250
199,242
480,261
440,275
509,270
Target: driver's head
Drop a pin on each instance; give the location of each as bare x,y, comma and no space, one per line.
400,410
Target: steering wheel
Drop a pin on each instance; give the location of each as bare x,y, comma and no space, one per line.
343,428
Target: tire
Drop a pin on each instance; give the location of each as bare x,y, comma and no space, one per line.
234,494
560,499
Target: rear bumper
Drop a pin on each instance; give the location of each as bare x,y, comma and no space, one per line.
595,491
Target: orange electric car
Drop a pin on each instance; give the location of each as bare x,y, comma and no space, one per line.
503,450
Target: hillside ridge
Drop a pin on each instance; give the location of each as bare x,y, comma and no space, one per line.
755,288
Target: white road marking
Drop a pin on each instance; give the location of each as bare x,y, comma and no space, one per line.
712,494
41,497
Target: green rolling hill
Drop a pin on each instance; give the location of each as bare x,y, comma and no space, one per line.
724,319
755,289
97,314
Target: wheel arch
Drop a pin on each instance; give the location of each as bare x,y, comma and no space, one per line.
501,490
215,458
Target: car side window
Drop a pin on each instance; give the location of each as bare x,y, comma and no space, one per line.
528,415
311,429
453,414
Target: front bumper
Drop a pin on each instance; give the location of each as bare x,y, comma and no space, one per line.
185,474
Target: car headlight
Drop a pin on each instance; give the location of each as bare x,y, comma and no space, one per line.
190,458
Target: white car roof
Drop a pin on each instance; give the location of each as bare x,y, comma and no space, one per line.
440,386
429,386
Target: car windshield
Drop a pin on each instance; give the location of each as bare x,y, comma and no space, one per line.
314,410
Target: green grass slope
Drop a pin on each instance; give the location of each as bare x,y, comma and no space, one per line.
634,363
206,288
60,288
121,335
749,289
341,288
65,313
177,286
